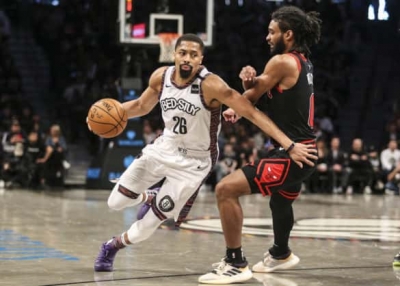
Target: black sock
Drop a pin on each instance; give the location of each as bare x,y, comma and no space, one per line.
279,252
236,257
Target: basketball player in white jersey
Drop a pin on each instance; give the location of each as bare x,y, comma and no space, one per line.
191,98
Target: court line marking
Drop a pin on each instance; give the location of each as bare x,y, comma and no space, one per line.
198,274
344,229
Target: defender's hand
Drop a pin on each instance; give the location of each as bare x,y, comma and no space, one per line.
230,115
303,154
248,73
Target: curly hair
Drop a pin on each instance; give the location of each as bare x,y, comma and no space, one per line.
306,27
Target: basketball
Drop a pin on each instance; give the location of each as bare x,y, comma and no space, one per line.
107,118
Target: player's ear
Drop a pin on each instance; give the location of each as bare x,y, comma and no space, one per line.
289,35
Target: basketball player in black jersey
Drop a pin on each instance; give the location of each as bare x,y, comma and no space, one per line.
287,81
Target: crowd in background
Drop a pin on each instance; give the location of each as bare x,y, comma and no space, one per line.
29,155
81,42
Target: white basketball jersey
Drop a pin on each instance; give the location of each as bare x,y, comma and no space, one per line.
187,120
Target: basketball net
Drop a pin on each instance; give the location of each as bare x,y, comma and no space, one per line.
167,47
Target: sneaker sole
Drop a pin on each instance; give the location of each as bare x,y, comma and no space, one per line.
260,268
98,269
242,277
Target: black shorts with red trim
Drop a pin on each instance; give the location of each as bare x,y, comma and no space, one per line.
276,173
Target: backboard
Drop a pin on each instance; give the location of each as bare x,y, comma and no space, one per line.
140,21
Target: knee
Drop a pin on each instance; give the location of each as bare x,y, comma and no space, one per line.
114,204
223,191
121,198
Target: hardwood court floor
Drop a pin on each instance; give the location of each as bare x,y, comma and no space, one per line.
52,238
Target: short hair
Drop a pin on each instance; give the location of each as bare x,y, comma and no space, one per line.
190,38
306,27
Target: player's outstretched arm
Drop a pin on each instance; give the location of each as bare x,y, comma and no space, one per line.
277,68
148,99
223,93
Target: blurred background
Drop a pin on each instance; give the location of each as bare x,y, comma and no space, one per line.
57,57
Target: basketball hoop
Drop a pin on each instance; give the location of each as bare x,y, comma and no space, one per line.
167,47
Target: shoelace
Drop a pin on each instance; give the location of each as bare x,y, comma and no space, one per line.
267,256
104,255
219,266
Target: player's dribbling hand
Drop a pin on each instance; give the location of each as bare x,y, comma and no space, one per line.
302,153
247,74
230,115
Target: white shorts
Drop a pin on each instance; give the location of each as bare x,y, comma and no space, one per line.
184,172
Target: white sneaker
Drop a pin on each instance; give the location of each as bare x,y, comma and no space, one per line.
225,273
349,190
270,264
367,190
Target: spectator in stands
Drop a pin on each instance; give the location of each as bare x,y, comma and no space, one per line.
37,126
55,155
12,137
390,158
35,149
394,177
376,170
337,162
13,151
359,168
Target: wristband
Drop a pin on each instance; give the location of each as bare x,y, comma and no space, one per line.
290,147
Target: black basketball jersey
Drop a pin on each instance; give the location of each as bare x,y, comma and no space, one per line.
292,110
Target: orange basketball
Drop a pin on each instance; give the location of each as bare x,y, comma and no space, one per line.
107,118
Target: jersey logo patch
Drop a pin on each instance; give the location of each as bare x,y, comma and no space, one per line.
181,104
195,89
166,204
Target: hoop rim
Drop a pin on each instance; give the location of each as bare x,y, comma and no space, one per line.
167,38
